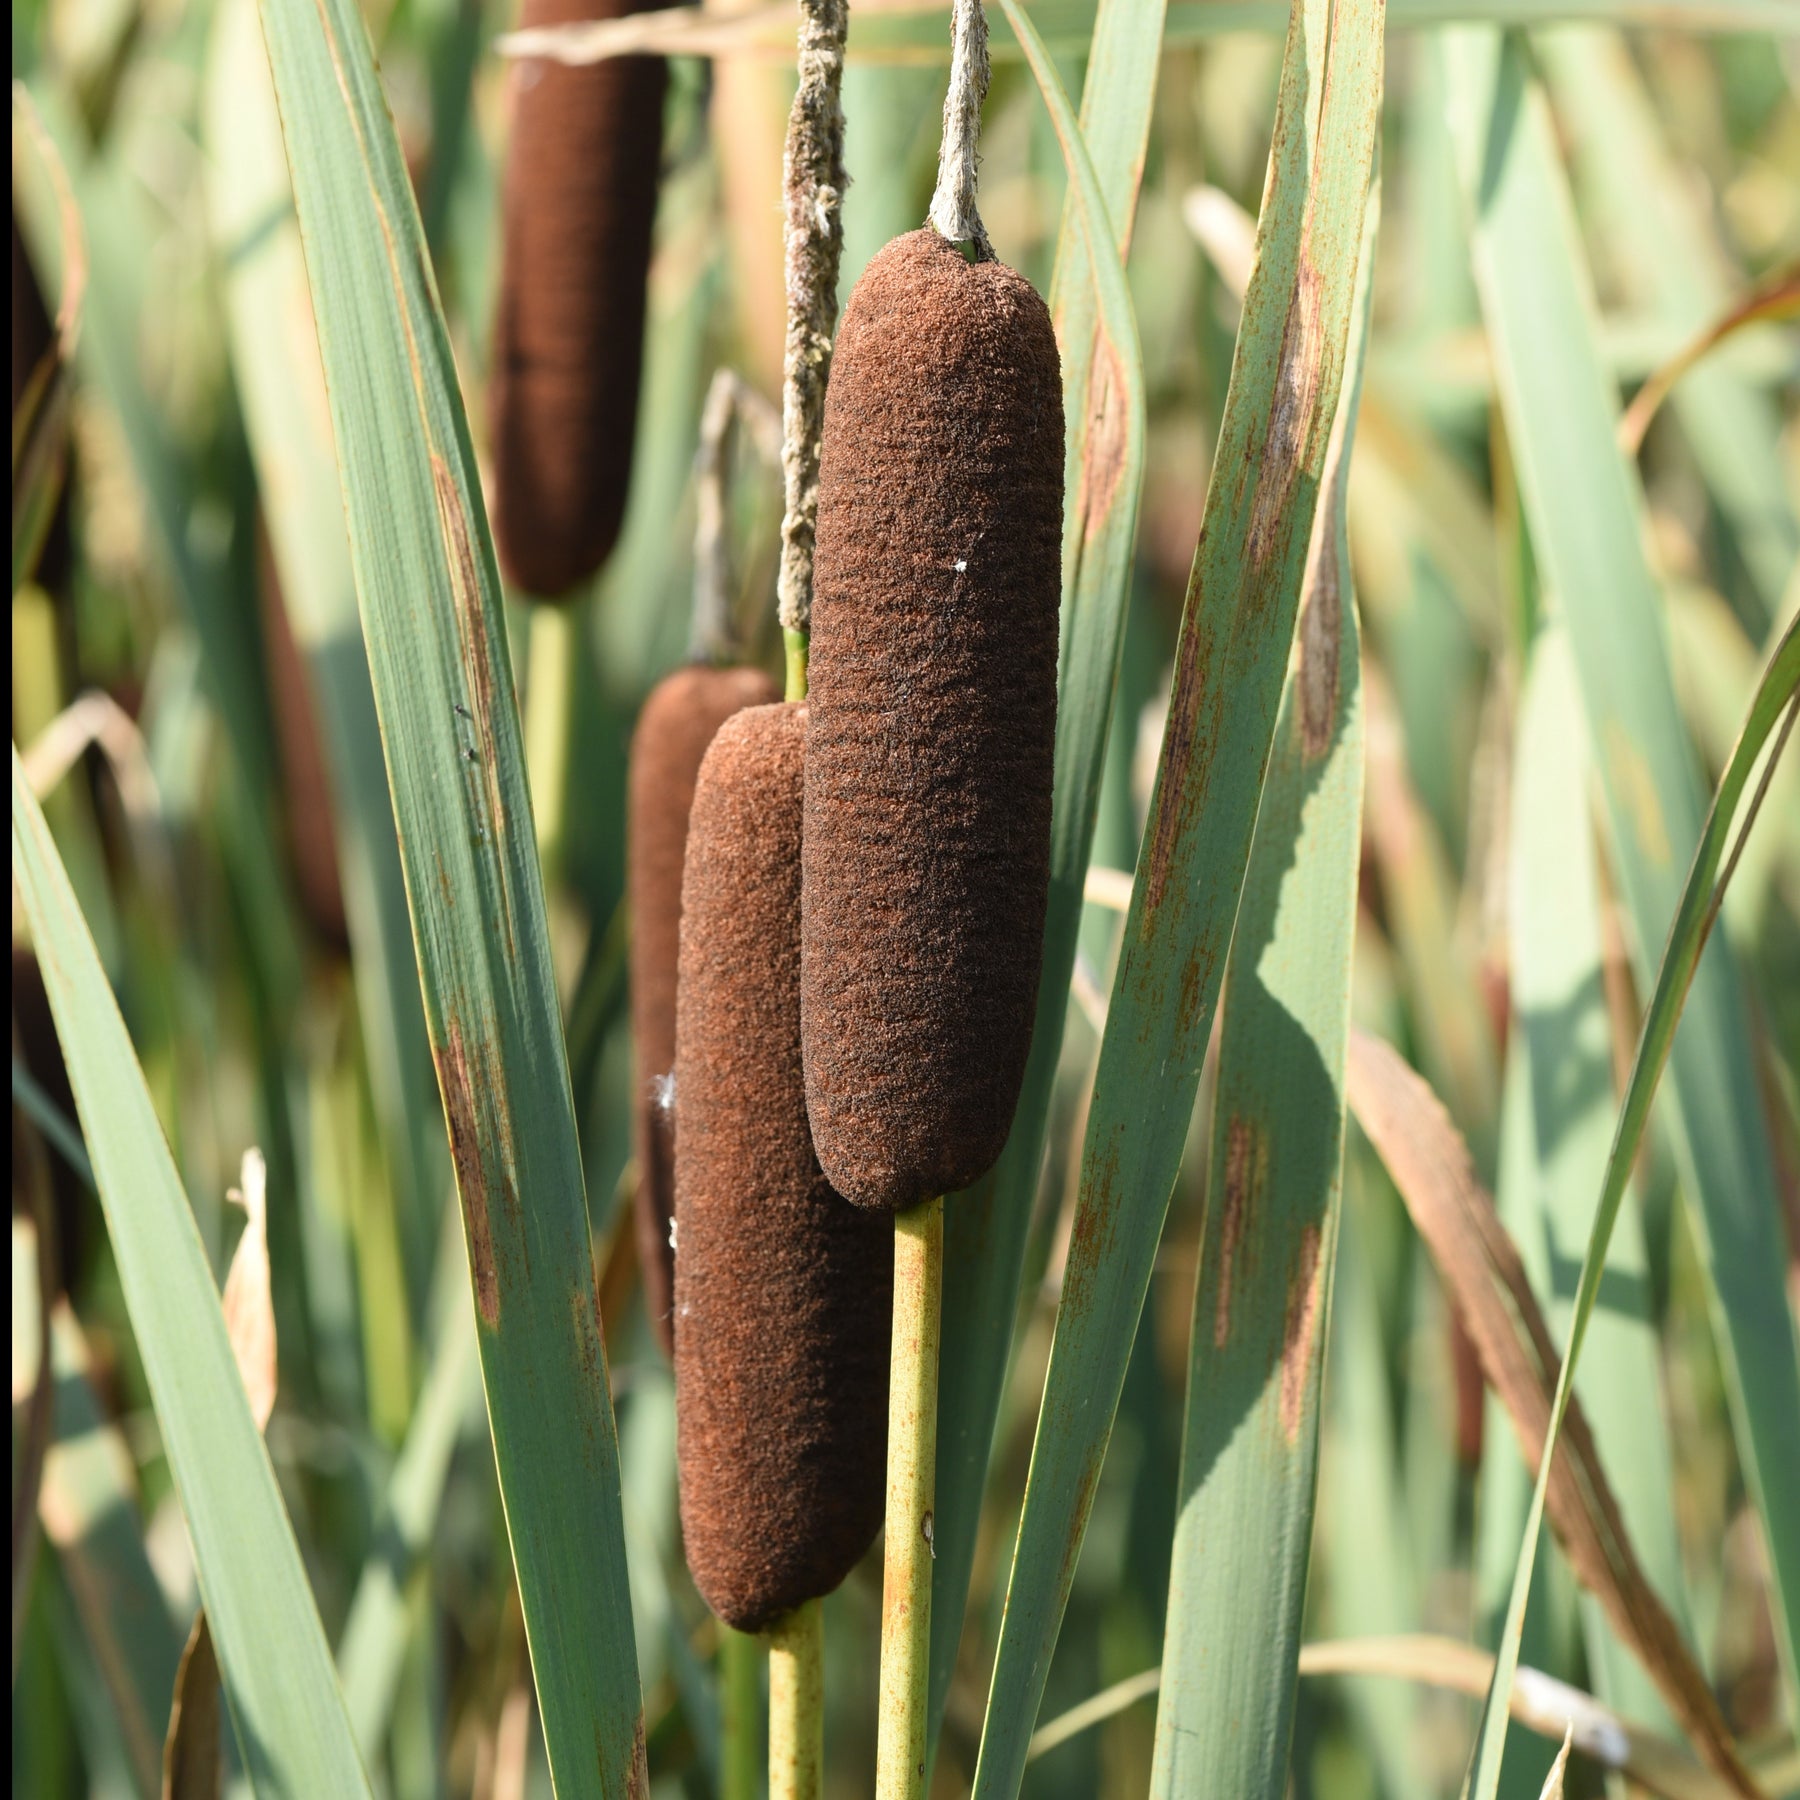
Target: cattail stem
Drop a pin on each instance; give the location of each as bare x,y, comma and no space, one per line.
730,403
739,1704
550,672
813,180
794,646
911,1488
953,209
797,1704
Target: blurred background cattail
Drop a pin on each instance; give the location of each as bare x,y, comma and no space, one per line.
578,209
676,725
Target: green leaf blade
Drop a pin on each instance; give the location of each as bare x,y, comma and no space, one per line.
433,623
1268,1244
1586,515
1103,391
1230,661
286,1707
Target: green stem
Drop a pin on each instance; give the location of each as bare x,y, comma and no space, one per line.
739,1655
912,1469
549,681
797,1704
795,644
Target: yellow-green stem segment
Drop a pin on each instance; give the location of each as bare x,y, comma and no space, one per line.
912,1473
740,1698
549,673
794,644
797,1704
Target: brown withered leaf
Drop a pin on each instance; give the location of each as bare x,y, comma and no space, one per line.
1481,1267
191,1768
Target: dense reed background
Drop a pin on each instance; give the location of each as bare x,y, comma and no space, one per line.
1471,846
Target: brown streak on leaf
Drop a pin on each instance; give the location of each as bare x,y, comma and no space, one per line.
1294,417
1305,1293
1103,449
640,1763
1479,1264
478,664
1186,773
1246,1165
471,1173
1321,640
190,1769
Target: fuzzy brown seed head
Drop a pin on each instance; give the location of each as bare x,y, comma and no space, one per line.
673,730
933,699
578,209
782,1291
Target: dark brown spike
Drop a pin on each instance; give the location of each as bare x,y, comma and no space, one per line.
578,209
673,730
933,702
782,1291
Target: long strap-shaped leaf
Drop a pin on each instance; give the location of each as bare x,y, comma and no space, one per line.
1565,1090
1586,516
1103,396
285,1705
1231,1647
1661,247
430,598
1700,898
1229,664
281,387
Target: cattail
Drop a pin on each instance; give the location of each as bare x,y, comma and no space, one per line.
933,696
677,723
579,205
782,1292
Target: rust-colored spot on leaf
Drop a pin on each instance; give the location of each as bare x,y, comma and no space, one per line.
1293,419
1246,1168
478,662
1078,1519
590,1346
1188,694
637,1785
1321,640
1103,449
471,1172
1305,1293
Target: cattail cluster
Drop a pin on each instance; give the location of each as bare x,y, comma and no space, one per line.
862,913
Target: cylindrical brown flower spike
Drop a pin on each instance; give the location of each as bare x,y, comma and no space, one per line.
673,730
578,209
782,1292
933,697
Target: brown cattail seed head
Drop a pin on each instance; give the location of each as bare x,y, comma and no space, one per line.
933,702
578,209
673,731
782,1292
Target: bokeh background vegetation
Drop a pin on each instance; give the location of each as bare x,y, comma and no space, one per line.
227,926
